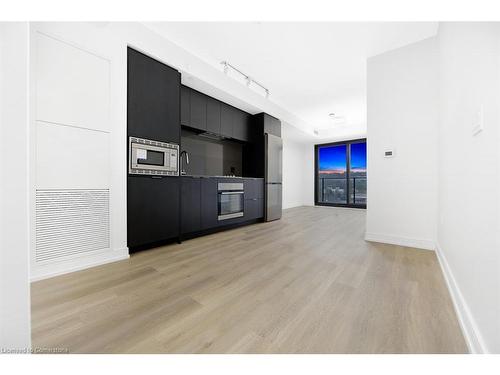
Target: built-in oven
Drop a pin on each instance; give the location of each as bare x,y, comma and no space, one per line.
147,157
231,199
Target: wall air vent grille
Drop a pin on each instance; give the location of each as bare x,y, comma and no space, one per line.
70,223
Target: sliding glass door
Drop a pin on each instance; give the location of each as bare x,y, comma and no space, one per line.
357,173
332,174
341,174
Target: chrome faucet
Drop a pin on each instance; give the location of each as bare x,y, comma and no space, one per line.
183,171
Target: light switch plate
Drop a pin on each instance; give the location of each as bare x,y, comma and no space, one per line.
478,125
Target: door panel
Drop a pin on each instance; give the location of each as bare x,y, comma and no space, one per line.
254,209
273,201
254,188
190,205
357,173
152,209
274,154
332,174
153,97
208,203
185,105
241,126
213,115
226,120
198,110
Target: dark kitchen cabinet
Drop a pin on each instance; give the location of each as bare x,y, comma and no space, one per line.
202,112
254,153
209,208
190,204
254,209
213,115
254,188
253,157
254,198
265,123
272,125
185,105
226,120
198,110
241,125
152,210
153,99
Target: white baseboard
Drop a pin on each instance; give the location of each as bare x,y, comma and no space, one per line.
471,332
472,335
400,241
45,271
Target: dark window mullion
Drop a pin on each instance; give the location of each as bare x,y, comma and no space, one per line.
348,172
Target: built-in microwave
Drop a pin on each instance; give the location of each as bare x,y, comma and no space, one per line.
147,157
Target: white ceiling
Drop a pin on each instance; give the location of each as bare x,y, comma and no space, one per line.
311,69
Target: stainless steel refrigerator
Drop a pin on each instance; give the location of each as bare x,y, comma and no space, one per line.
273,179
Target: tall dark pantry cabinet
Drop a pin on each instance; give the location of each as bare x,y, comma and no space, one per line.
153,113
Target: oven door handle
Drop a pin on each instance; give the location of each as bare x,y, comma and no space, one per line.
230,192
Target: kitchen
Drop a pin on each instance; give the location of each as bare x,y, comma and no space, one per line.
196,164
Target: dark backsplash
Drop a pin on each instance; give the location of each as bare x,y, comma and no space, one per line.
211,157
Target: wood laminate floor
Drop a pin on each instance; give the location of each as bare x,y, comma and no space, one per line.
308,283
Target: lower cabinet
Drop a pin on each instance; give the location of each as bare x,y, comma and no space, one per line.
190,205
199,203
209,208
254,188
152,210
254,209
254,198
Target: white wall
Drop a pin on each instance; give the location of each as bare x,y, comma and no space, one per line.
293,165
424,101
402,103
15,326
298,168
308,175
469,176
78,128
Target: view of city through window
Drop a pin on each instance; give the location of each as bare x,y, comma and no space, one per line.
341,174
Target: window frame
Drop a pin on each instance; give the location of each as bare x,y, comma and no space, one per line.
348,172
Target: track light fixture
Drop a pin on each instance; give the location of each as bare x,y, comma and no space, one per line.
248,80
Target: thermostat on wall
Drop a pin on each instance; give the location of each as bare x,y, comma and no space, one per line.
388,153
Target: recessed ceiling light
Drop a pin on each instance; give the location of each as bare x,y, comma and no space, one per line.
331,114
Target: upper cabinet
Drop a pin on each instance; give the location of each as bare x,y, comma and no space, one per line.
265,123
226,120
213,115
272,125
241,126
153,99
204,113
185,105
198,110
